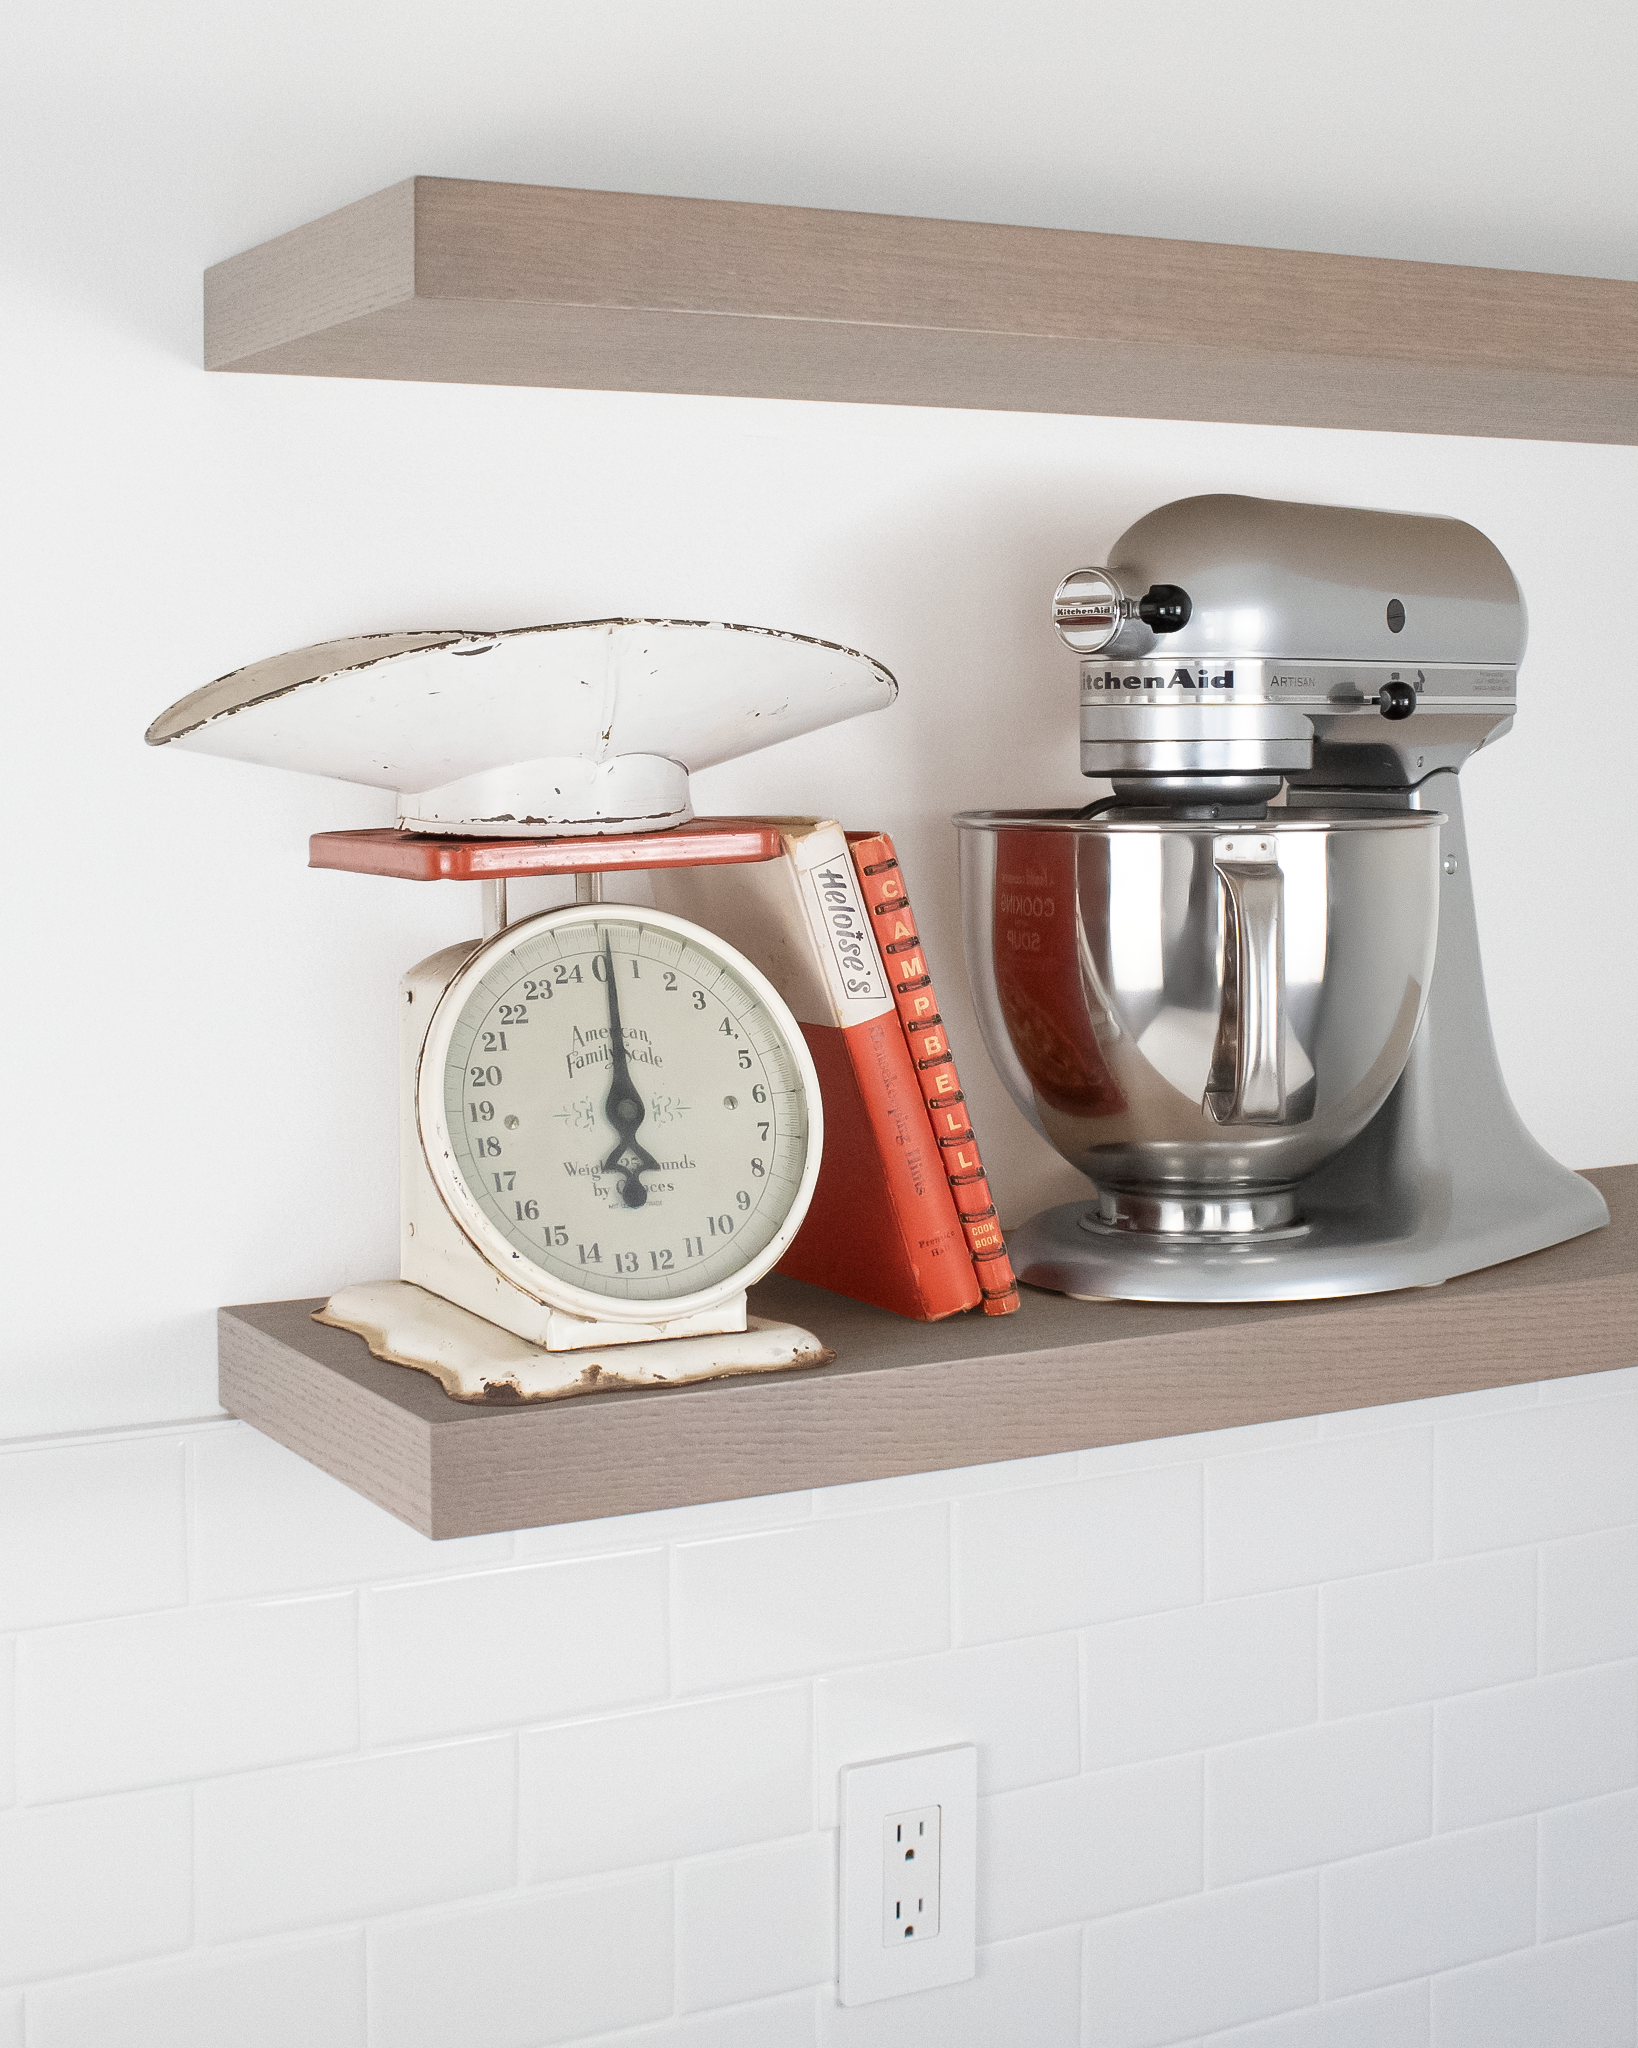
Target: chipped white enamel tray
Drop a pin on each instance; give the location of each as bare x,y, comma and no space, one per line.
593,726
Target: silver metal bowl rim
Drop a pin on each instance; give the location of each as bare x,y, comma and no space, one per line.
1278,821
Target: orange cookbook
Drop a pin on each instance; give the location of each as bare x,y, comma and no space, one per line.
888,902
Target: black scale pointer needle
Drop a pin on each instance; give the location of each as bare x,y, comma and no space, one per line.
624,1106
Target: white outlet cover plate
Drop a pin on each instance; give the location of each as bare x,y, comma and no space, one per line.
869,1967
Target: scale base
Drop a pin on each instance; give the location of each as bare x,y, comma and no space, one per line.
474,1360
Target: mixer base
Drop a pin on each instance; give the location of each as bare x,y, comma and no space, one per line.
1332,1251
1189,1213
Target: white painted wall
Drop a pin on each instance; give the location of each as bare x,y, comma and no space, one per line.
202,1057
205,1085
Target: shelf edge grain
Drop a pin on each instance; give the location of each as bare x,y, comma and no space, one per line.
909,1397
372,1445
455,280
808,1431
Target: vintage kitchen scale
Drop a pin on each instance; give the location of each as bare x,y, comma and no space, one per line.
610,1124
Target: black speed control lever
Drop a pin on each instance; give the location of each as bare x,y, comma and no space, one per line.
1166,609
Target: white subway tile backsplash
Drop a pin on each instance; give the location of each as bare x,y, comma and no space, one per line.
1432,1906
1199,1675
1007,1475
1191,1449
660,1526
788,2022
1418,1414
311,1994
86,1886
91,1529
1141,1647
1589,1865
503,1648
751,1608
756,1923
1027,1994
1424,1633
266,1521
1590,1386
524,1972
1327,1510
191,1693
1582,1992
1560,1469
1057,1557
1395,2018
1525,1747
340,1841
676,1781
1317,1795
8,1720
1589,1599
1175,1972
1018,1702
1084,1847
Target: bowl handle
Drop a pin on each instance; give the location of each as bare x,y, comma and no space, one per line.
1246,1084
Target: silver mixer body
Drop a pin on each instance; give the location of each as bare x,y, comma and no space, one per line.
1244,995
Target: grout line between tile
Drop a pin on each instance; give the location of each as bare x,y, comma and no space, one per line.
1206,1592
361,1745
676,1950
1083,1698
116,1433
190,1533
194,1942
517,1810
951,1584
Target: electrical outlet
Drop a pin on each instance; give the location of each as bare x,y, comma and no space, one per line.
910,1875
909,1857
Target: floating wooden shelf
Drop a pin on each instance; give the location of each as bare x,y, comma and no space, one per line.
923,1397
452,281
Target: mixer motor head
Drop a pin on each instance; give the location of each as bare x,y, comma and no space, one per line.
1314,643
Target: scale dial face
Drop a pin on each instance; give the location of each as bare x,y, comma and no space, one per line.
620,1112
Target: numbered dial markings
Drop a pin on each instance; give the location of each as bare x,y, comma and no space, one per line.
624,1109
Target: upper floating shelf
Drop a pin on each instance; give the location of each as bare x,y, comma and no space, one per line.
449,280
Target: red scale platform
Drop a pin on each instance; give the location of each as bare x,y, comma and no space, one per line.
432,857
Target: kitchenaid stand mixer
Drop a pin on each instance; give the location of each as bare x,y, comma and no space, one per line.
1244,994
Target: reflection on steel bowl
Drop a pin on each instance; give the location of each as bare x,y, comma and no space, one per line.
1197,1013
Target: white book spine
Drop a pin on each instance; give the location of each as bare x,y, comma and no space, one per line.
801,919
833,904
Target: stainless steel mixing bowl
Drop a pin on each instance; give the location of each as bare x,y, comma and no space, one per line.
1199,1013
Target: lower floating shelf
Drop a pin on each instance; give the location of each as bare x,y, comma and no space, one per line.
923,1397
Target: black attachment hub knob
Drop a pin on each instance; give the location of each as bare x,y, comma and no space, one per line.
1166,609
1396,700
